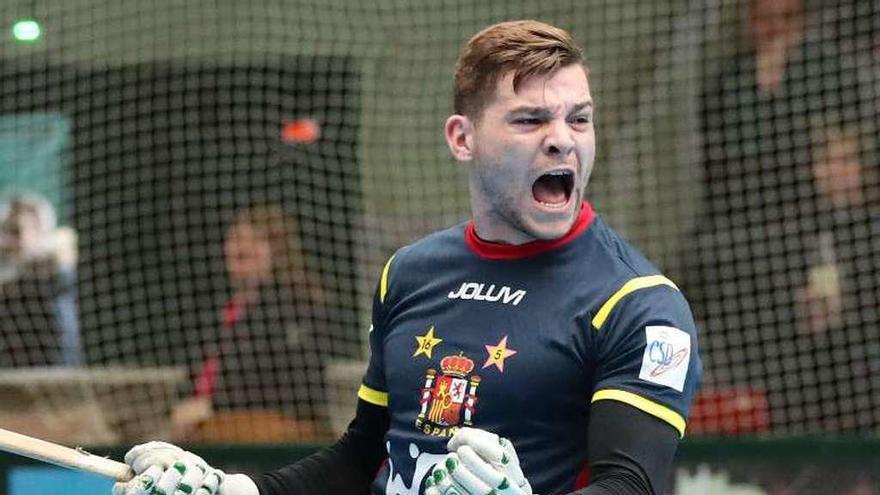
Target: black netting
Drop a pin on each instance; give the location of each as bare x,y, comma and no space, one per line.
178,140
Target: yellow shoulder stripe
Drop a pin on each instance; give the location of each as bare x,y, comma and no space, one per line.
373,396
383,283
631,286
643,404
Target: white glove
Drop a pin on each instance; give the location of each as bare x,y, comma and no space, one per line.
478,463
165,469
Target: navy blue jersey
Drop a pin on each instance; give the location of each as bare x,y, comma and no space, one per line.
520,340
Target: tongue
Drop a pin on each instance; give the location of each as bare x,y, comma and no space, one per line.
550,190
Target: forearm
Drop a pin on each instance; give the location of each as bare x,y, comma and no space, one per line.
631,452
332,470
618,485
620,475
346,467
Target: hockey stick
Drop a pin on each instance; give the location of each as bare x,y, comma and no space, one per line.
60,455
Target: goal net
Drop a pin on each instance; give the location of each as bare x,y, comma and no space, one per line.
198,198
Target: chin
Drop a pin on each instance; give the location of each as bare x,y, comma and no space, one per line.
549,230
553,223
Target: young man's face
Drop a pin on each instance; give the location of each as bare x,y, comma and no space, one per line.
533,153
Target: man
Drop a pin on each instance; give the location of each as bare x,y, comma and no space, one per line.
37,286
529,349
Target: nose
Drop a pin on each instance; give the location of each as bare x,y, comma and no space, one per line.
558,141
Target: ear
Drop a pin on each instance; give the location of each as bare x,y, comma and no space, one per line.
460,137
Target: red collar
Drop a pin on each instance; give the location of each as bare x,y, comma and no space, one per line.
495,251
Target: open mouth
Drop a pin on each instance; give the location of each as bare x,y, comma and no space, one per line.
554,188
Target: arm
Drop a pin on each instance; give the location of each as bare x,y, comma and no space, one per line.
348,466
631,452
650,370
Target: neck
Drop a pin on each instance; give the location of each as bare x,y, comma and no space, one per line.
492,230
245,291
490,226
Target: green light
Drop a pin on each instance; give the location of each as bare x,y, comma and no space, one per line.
26,30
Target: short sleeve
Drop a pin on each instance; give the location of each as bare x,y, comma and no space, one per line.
647,353
373,389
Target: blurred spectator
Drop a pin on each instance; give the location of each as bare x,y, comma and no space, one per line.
754,265
756,190
266,359
840,299
38,315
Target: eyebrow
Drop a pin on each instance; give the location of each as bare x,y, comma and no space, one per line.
582,106
544,111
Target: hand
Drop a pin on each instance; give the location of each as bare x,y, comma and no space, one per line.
165,469
478,463
822,298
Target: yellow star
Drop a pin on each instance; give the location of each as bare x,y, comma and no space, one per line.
427,343
498,353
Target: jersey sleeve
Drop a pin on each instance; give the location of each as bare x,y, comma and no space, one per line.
373,388
646,350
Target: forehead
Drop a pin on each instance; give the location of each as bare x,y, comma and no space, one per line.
560,90
242,230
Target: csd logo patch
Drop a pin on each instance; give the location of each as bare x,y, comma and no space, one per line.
667,356
449,398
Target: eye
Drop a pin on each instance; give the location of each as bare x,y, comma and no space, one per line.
584,118
527,121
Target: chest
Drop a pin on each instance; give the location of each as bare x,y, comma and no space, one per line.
467,352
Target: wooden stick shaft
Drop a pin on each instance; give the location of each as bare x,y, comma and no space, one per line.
60,455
